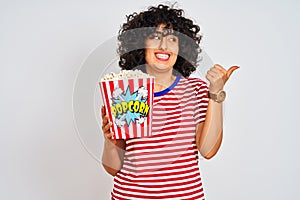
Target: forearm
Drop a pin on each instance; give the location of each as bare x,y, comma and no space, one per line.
112,157
209,136
210,133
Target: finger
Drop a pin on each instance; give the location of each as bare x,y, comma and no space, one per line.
230,70
218,72
105,120
221,71
209,77
106,127
212,73
109,135
102,111
219,67
113,141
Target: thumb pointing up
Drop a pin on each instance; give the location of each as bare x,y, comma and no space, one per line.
229,72
218,76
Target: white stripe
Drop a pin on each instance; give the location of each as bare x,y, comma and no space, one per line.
146,119
155,156
166,148
157,172
173,113
171,131
148,180
125,83
159,143
138,128
153,139
156,128
181,118
162,167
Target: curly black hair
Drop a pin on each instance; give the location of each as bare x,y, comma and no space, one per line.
133,33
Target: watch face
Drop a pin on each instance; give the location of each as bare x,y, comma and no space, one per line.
221,96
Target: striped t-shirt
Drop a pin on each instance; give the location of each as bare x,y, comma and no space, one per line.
165,165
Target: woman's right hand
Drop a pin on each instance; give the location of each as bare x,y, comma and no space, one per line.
114,149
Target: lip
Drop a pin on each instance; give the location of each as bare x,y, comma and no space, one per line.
162,56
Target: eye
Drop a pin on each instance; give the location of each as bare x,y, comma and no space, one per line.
173,38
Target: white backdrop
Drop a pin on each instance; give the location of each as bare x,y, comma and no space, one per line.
43,46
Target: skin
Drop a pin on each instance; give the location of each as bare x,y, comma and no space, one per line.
113,152
209,134
161,69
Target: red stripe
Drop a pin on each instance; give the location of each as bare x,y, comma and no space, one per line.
155,196
200,196
118,130
107,104
131,85
137,184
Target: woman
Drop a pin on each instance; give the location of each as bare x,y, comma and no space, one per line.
185,119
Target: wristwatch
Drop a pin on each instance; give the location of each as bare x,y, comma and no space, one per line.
218,97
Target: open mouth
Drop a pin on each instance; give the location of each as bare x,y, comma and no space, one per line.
162,56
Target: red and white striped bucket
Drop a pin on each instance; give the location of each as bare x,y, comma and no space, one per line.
128,103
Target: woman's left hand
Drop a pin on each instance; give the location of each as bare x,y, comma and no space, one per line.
218,76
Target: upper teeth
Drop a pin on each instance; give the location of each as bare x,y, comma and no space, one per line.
163,56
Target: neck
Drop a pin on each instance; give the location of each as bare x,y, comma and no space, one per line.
163,80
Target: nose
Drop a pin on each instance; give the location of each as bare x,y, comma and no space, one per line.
163,44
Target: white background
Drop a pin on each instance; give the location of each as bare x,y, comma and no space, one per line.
44,43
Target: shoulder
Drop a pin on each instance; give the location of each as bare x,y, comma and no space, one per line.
197,83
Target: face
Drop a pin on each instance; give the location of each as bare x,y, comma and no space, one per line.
161,49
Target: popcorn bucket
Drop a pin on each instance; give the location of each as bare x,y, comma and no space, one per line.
128,103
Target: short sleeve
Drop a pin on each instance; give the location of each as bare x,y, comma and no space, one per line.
201,101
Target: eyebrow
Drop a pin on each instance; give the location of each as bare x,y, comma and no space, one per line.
165,33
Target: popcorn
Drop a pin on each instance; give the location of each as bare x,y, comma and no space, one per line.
128,100
126,74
